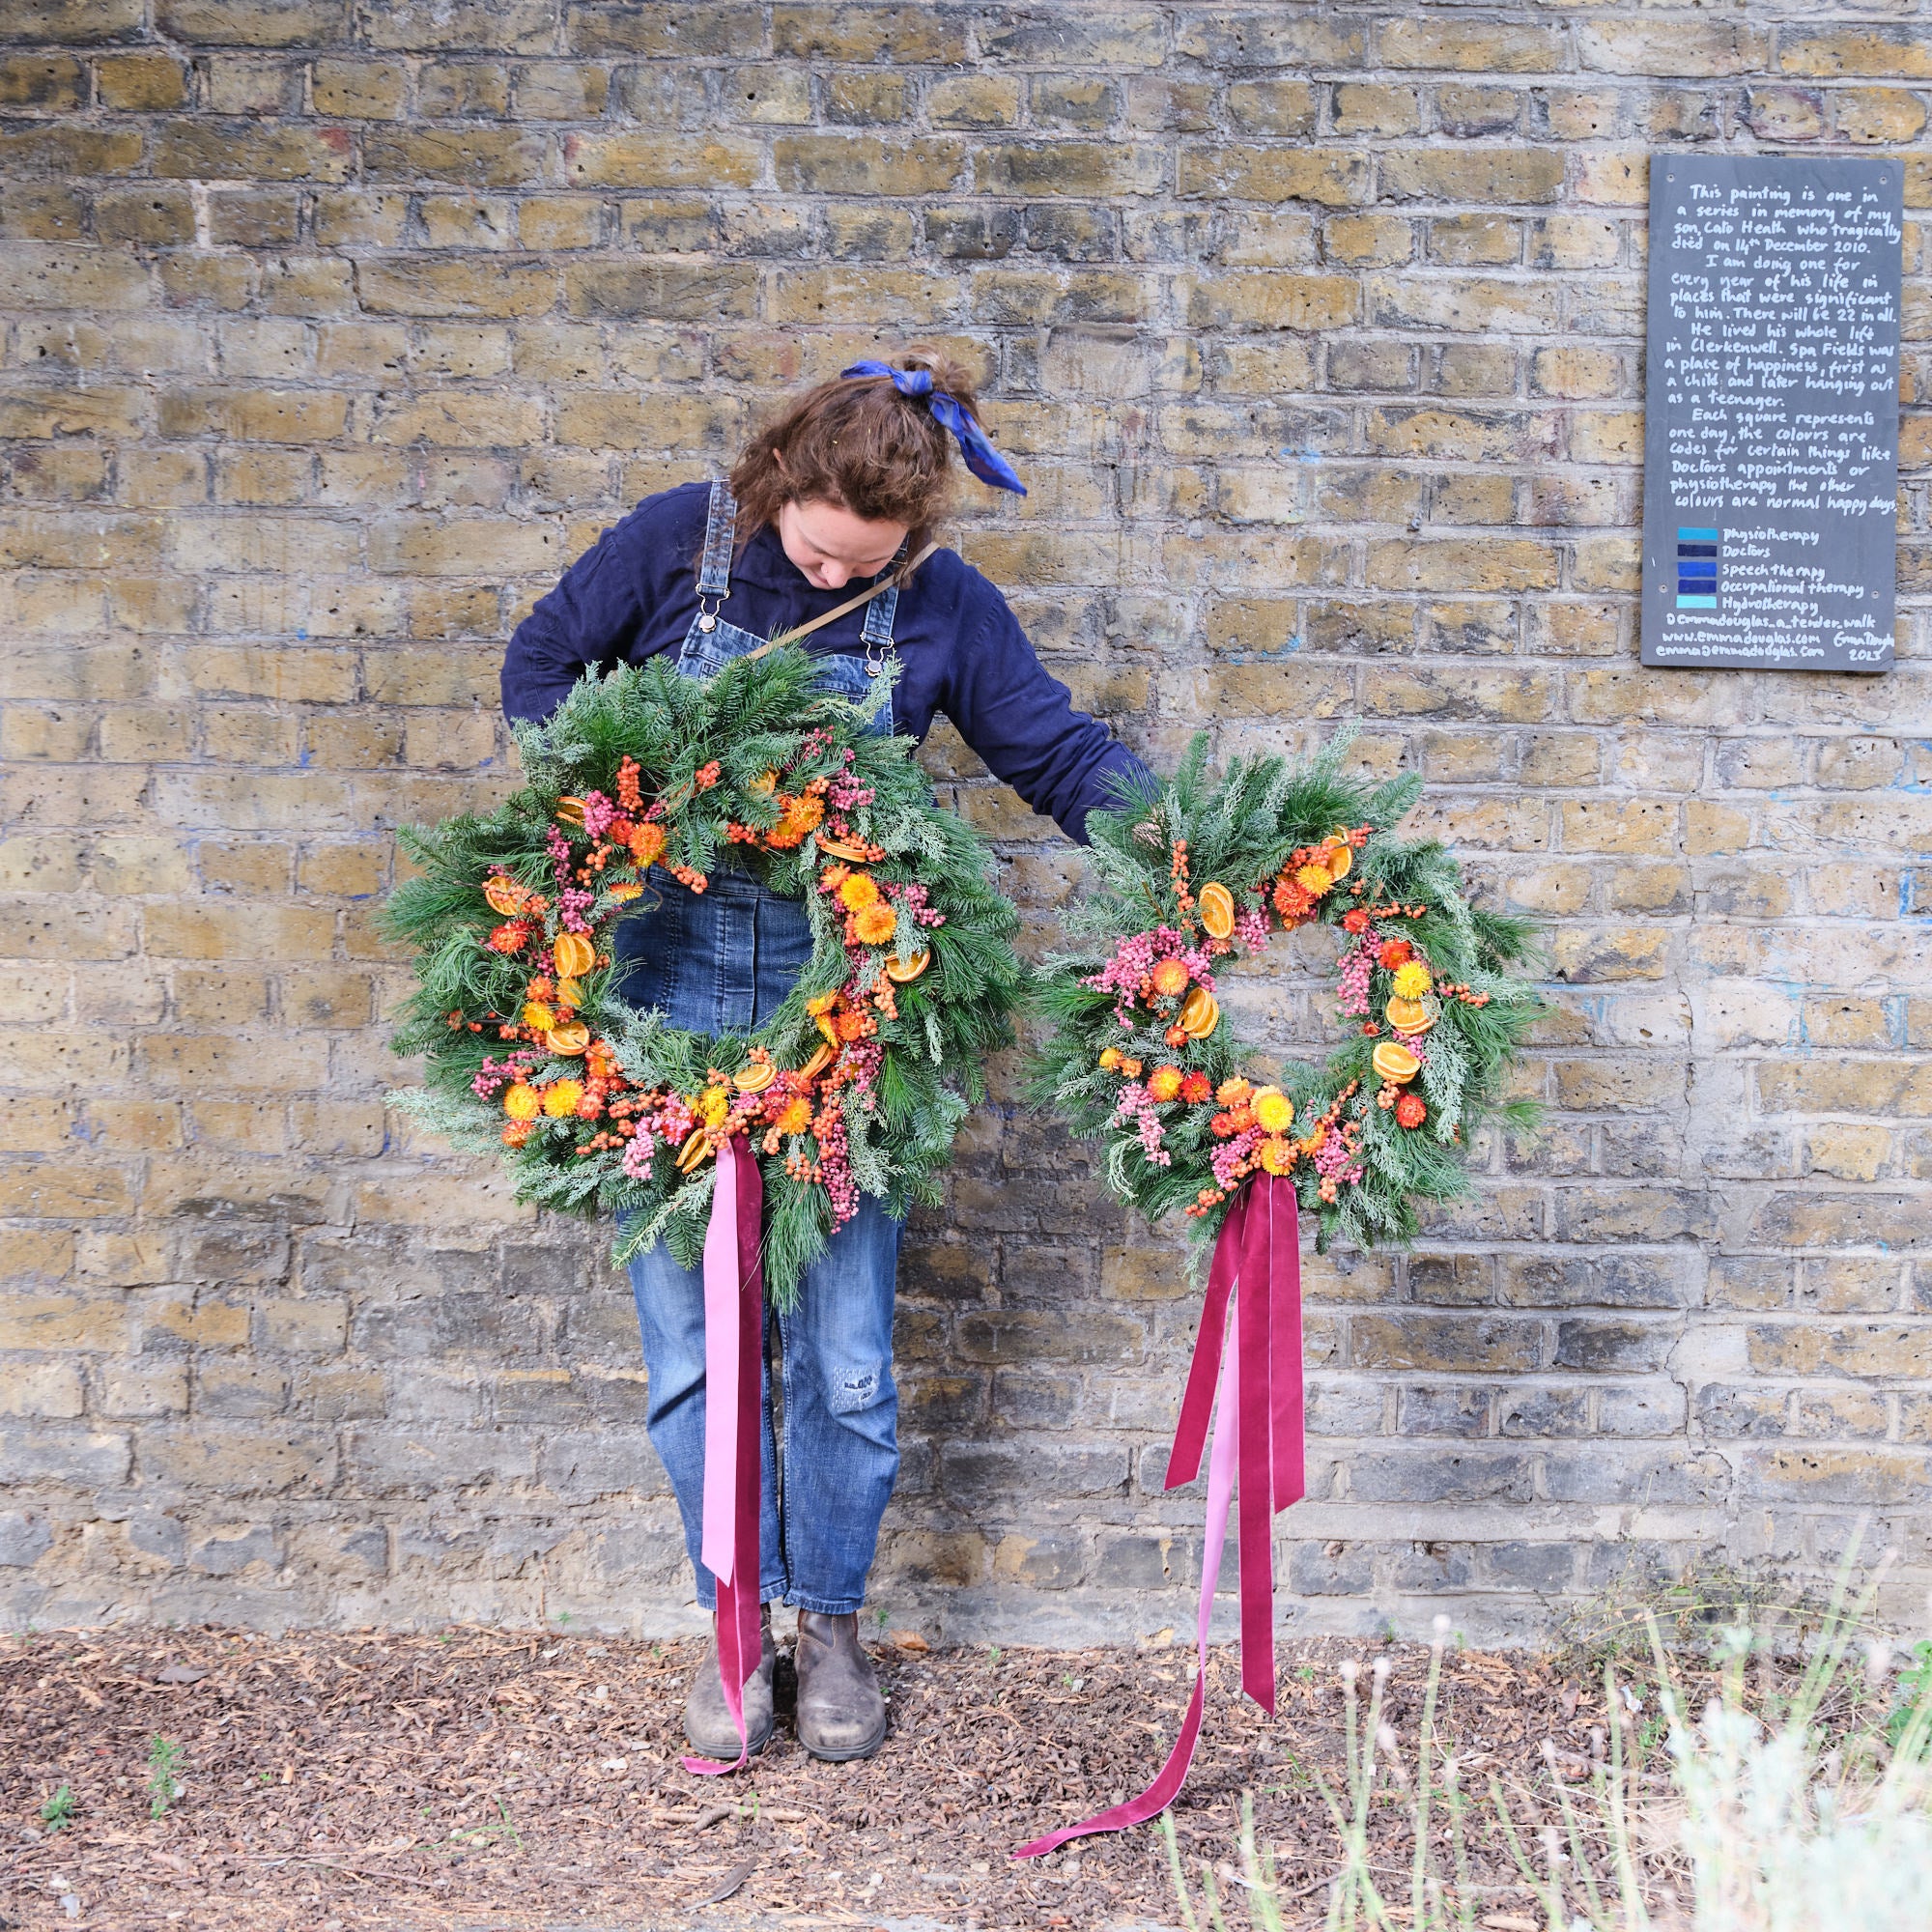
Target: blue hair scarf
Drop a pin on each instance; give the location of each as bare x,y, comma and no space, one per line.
980,456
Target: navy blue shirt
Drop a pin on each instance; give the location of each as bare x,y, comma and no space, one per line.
635,593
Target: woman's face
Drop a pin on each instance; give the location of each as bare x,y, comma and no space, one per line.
831,546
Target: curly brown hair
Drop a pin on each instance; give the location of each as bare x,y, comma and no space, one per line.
857,444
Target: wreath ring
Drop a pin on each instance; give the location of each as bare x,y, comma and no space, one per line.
855,1085
1139,1057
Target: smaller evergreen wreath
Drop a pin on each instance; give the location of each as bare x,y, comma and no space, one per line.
855,1086
1138,1055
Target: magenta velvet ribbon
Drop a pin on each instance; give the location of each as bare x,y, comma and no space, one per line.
1247,1382
734,1311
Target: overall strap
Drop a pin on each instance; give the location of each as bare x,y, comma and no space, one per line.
721,525
877,636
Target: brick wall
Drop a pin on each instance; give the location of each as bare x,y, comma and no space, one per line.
331,333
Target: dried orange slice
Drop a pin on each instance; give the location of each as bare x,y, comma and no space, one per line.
1217,909
902,972
570,811
818,1062
1394,1061
575,956
573,1037
837,848
505,895
1409,1016
755,1078
1200,1014
1338,855
694,1150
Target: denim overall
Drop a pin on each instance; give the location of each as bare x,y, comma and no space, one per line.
722,962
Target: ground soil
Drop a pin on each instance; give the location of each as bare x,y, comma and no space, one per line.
341,1781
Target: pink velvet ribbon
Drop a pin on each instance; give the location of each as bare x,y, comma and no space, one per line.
1246,1380
734,1307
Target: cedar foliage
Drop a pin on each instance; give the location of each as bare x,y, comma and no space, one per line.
752,718
1241,827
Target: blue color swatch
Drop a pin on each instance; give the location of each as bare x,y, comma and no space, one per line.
1697,568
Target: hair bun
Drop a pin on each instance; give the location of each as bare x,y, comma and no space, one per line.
948,373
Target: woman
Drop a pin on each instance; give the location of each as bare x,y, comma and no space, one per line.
836,494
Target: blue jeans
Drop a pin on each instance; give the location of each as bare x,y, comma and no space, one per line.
717,962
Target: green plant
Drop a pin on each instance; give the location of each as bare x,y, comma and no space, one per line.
1776,1821
1690,1610
58,1810
1913,1687
488,1835
163,1785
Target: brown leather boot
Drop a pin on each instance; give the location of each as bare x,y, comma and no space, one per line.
841,1714
707,1722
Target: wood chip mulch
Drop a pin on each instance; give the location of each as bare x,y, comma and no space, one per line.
344,1781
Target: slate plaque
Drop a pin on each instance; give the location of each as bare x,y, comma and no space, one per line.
1771,426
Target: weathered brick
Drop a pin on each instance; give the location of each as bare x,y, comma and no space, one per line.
1333,414
233,150
1468,46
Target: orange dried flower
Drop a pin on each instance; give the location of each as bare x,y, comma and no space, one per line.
647,843
796,1118
1170,976
858,890
875,924
509,937
1293,900
561,1098
797,816
1164,1083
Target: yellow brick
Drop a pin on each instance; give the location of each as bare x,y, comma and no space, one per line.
268,931
63,1322
660,161
62,1190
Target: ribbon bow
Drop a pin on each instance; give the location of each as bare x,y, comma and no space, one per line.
981,457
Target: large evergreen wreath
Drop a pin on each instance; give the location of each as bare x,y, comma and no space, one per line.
1139,1058
856,1083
